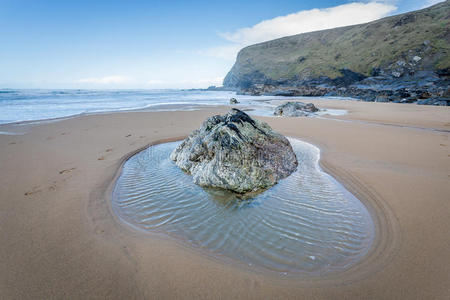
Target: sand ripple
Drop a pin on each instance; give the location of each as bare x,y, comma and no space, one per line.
307,223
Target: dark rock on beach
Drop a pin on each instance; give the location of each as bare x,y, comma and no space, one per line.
434,101
236,153
233,101
295,109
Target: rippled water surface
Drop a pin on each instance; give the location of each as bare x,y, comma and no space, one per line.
306,224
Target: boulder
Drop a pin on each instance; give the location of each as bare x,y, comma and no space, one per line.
284,93
424,95
408,100
434,101
236,153
382,98
233,101
295,109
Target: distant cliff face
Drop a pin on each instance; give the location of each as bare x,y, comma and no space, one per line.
394,47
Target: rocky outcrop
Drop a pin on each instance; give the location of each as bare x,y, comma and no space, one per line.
295,109
237,153
414,88
404,58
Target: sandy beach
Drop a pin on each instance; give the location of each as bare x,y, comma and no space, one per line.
60,239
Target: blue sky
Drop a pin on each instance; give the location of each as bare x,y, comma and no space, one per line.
155,44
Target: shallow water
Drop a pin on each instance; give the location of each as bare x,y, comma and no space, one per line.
306,224
29,105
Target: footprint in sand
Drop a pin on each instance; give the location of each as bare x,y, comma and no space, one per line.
109,150
142,136
49,138
128,135
34,190
99,231
87,129
12,143
66,170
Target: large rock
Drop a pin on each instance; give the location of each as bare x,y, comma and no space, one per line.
295,109
237,153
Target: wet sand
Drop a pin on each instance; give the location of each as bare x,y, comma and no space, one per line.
59,238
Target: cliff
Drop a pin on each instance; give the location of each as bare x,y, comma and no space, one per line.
399,58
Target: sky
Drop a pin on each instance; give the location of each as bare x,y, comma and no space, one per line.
156,44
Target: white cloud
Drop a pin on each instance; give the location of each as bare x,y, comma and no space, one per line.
153,83
114,79
185,83
300,22
203,82
156,82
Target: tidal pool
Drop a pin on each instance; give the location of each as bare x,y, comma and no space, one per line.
307,224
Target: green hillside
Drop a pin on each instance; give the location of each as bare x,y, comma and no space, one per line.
386,44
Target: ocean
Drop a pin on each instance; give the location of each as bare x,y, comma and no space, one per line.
31,105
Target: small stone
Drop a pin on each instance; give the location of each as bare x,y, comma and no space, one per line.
396,74
417,58
233,101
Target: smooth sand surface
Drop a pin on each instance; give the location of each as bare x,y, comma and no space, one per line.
59,238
